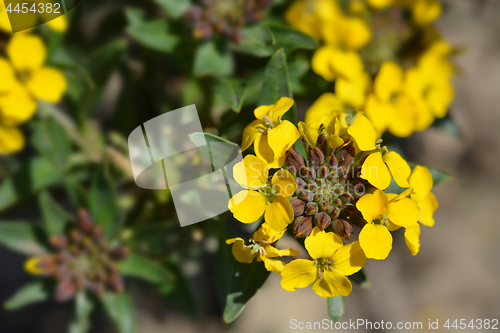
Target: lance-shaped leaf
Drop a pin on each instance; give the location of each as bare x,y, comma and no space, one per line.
361,279
174,7
336,308
213,59
154,35
30,293
136,265
449,126
21,237
245,282
219,151
55,218
103,203
52,141
277,84
232,91
121,310
34,175
83,310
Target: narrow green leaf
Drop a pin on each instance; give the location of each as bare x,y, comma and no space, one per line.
121,310
232,92
55,218
30,293
136,265
21,237
154,35
134,15
34,175
213,59
52,141
104,60
291,39
174,7
84,307
246,280
336,308
103,203
361,279
219,151
297,69
277,84
448,126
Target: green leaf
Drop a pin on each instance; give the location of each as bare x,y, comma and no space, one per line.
232,91
34,175
277,84
84,307
121,310
361,279
21,237
297,69
291,39
30,293
104,60
52,141
134,15
176,8
136,265
213,59
55,218
219,151
153,34
336,308
448,126
246,280
438,176
103,203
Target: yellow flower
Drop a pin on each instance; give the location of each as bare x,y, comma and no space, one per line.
378,168
379,209
380,4
59,24
332,132
421,185
327,107
331,62
271,135
390,107
425,12
262,248
261,195
332,262
353,91
4,19
363,133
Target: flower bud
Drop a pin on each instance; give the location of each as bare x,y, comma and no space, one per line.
308,174
322,143
322,220
115,282
323,172
318,197
294,159
323,205
58,242
302,226
312,187
84,221
346,197
342,228
301,184
311,208
334,214
346,156
315,157
65,290
118,253
298,206
306,195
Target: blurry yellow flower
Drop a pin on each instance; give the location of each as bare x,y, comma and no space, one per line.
377,169
390,107
425,12
331,62
380,4
59,24
379,210
11,140
353,91
271,135
363,133
262,248
421,185
261,195
324,109
331,131
4,19
332,261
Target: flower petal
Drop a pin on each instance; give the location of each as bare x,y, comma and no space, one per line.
298,274
399,168
427,208
239,251
349,259
284,183
403,213
279,214
266,234
363,132
8,76
421,182
333,284
389,81
275,111
412,239
379,113
248,206
282,137
373,206
251,173
273,265
47,84
11,140
376,241
16,106
263,150
376,172
321,244
321,63
26,52
251,132
324,109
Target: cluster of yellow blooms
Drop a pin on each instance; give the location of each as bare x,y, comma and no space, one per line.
340,186
369,62
25,80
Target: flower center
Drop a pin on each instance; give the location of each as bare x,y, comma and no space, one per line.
323,264
23,76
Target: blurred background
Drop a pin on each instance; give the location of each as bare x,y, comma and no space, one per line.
455,275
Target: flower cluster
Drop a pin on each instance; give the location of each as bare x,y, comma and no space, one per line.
225,16
397,70
333,191
25,81
82,260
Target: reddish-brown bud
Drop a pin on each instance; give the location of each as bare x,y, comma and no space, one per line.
83,221
302,226
323,172
58,242
308,174
311,208
335,212
315,158
294,159
306,195
301,184
322,143
323,205
346,197
65,290
298,206
342,228
118,253
322,220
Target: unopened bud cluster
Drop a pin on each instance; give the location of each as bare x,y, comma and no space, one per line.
83,260
225,16
327,189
